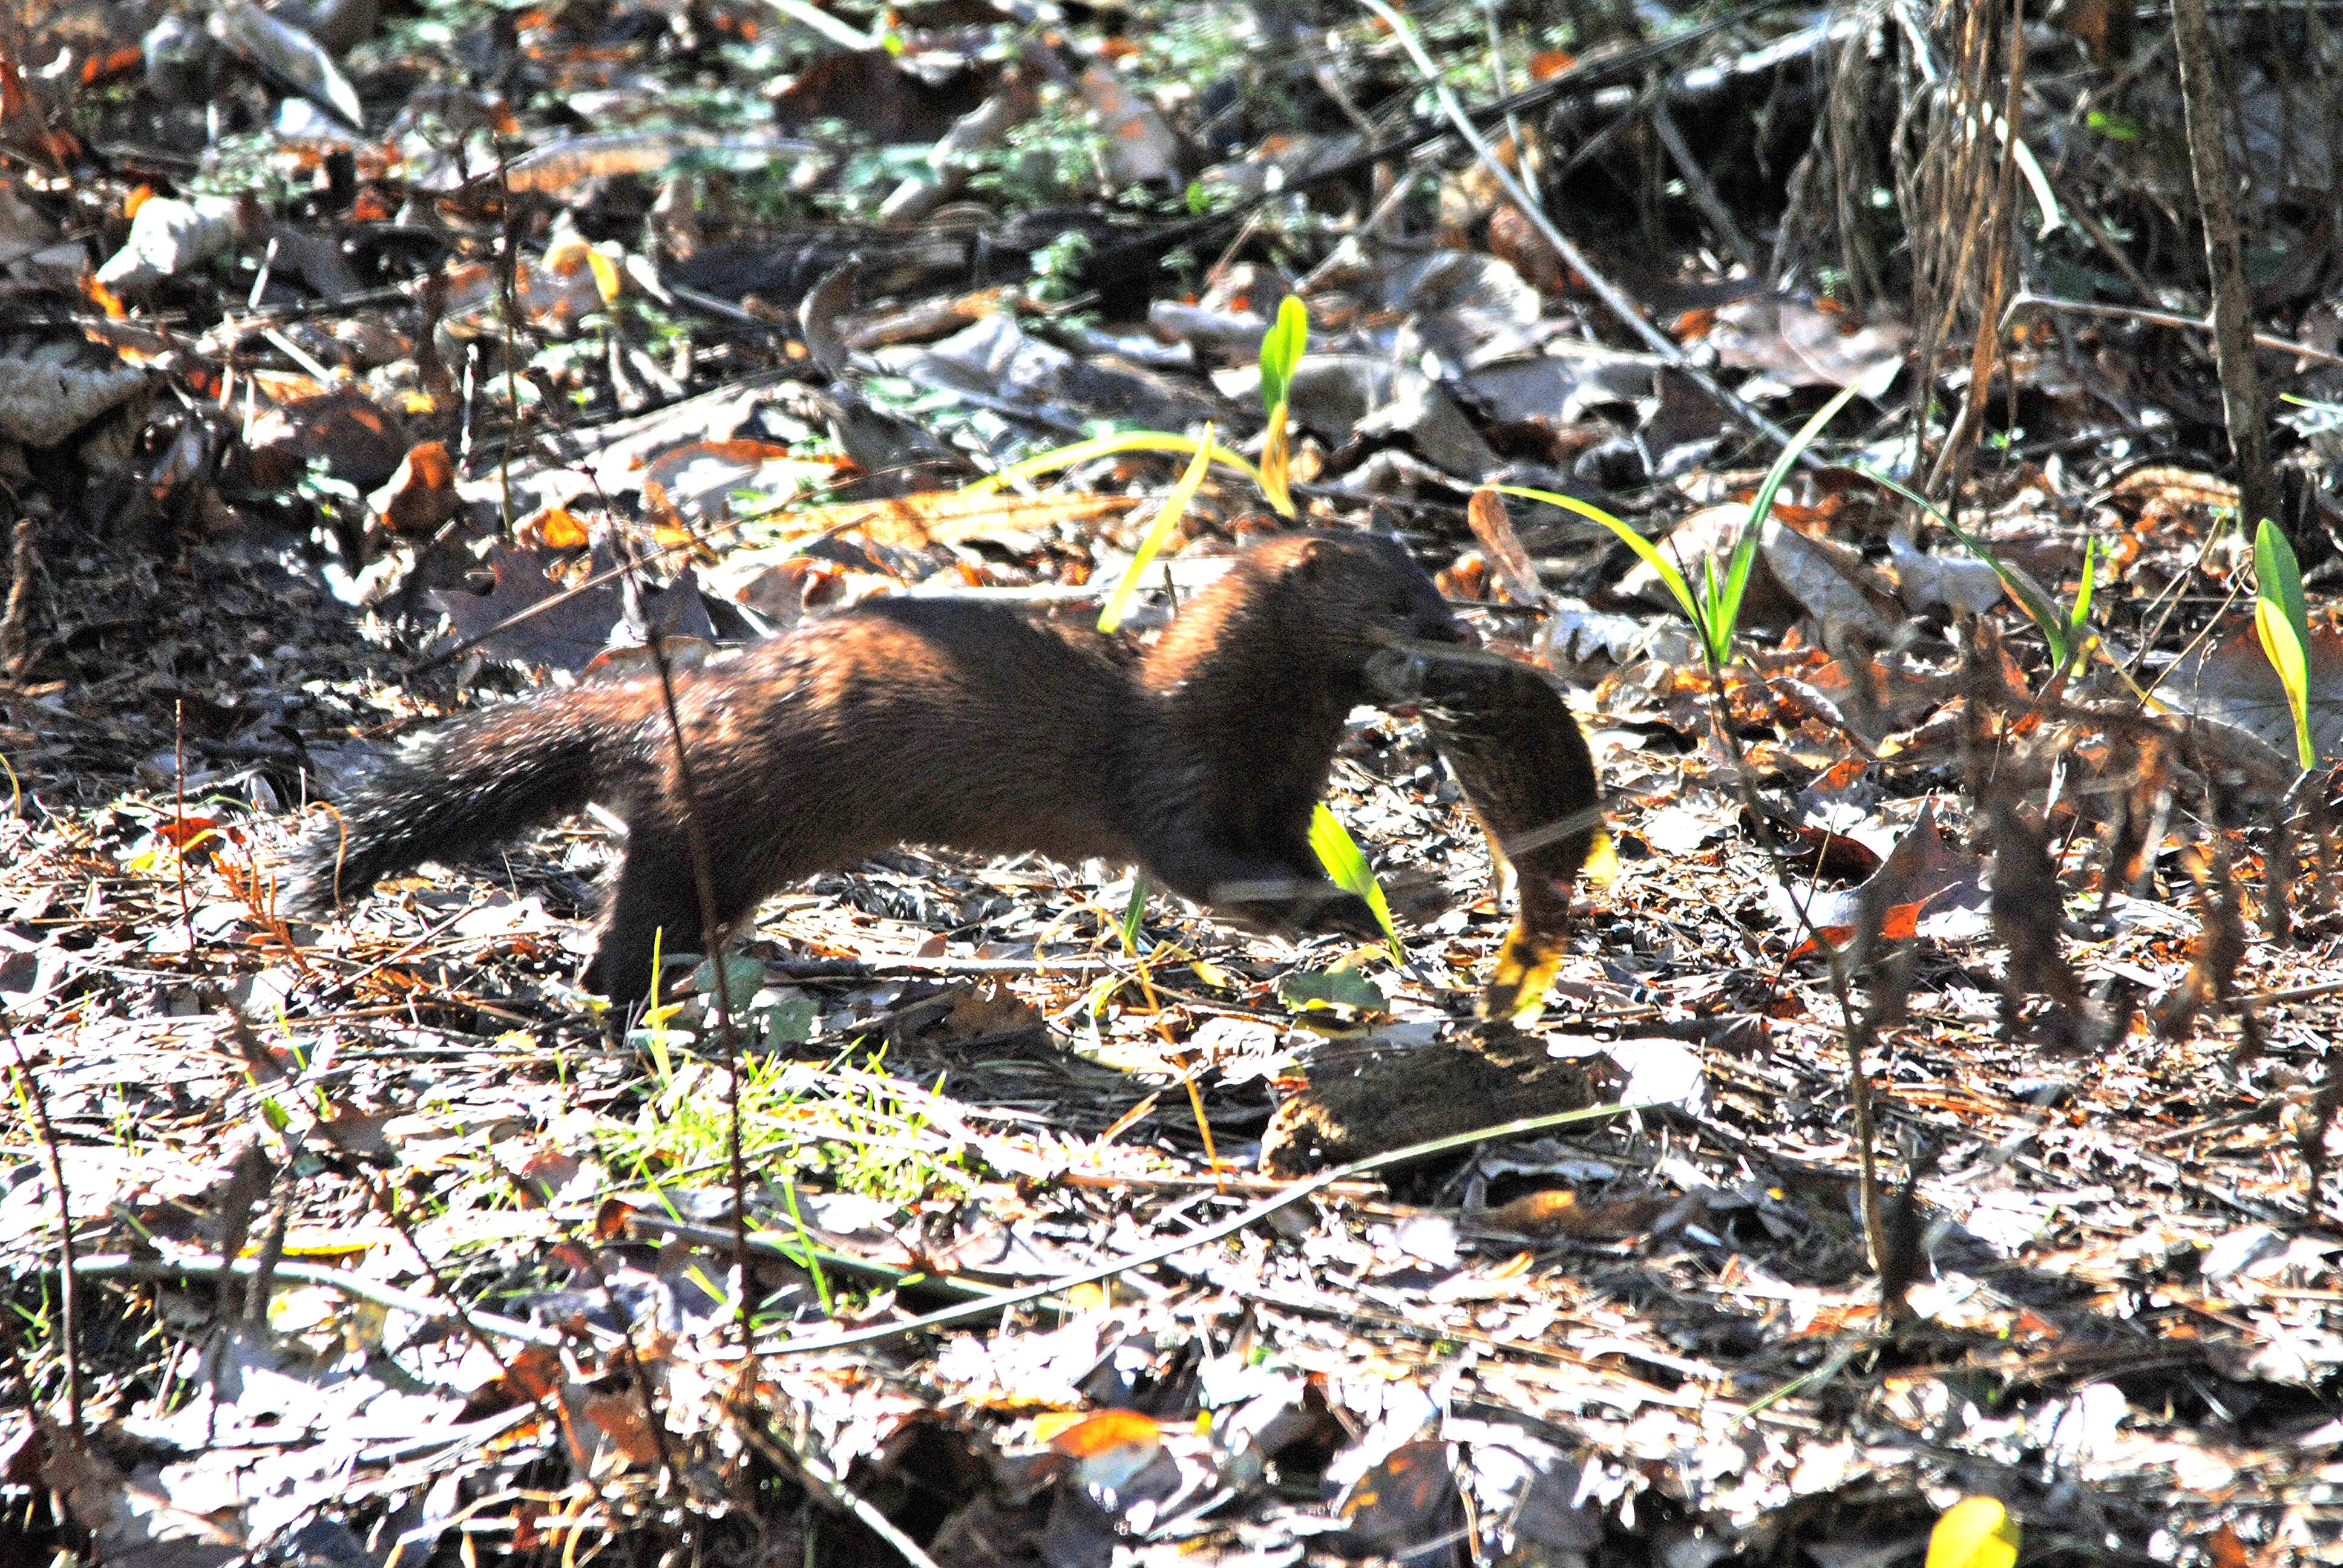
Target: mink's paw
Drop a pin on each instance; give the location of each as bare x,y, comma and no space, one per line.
621,971
1342,914
1293,904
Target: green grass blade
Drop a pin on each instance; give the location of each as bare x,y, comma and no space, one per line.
1724,607
1135,912
1339,853
2078,619
1280,351
1723,598
1669,577
1176,506
809,1254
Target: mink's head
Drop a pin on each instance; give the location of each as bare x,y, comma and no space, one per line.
1299,618
1352,596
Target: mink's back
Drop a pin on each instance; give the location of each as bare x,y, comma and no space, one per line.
914,721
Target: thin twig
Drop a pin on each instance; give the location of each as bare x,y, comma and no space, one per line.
1702,190
69,1298
385,1200
711,934
786,1455
123,1266
350,984
2161,318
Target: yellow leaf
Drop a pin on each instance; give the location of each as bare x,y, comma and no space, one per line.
2281,641
1974,1532
2286,655
1174,505
1050,1422
1602,868
558,529
1525,967
606,275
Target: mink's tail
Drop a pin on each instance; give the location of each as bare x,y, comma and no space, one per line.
472,784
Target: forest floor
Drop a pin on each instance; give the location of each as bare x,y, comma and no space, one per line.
1937,1101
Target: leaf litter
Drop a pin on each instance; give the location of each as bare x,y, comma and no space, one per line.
400,395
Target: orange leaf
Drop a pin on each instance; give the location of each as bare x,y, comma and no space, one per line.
1693,325
1900,921
1105,1431
184,830
106,67
99,296
557,528
422,493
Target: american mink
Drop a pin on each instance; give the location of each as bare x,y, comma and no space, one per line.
938,722
1531,783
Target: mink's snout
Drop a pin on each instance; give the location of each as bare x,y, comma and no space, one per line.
1448,627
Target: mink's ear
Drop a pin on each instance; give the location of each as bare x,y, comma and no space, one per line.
1315,558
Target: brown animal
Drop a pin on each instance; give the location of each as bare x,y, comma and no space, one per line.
1530,781
939,722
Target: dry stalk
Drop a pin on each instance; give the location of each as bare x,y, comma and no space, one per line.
68,1294
2205,107
1846,129
1859,1026
16,621
1957,180
713,934
1993,279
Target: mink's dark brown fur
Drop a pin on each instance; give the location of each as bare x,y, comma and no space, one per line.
938,722
1530,781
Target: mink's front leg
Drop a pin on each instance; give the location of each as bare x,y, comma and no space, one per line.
1262,894
654,906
